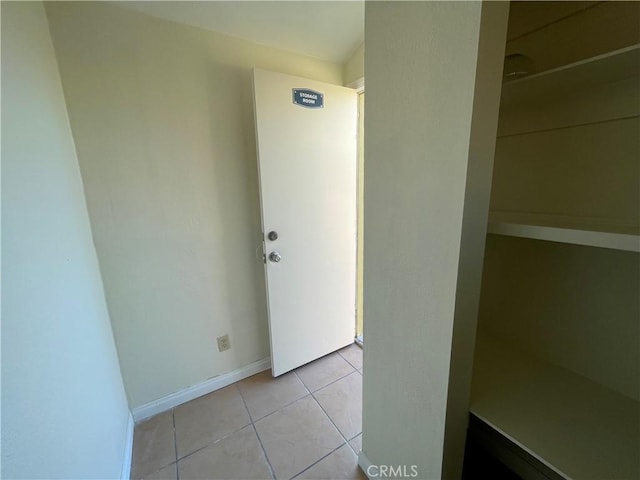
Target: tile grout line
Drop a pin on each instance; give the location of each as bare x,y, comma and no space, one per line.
336,427
330,419
161,467
255,430
330,383
208,445
175,442
283,407
335,381
303,384
264,451
332,423
350,440
317,461
244,402
347,360
279,409
352,365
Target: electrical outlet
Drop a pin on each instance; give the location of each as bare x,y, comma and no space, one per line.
224,343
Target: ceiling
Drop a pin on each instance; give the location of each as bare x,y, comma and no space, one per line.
328,30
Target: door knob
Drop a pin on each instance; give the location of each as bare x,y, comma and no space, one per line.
275,257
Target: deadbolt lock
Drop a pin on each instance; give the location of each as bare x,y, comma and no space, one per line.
273,235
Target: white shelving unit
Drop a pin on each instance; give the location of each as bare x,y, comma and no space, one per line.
563,423
607,68
574,230
576,427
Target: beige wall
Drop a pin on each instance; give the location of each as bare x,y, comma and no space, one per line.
423,154
588,171
354,68
162,115
64,410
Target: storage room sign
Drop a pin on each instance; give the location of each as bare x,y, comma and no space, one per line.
308,98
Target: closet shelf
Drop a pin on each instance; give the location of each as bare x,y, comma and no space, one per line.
574,426
574,230
610,67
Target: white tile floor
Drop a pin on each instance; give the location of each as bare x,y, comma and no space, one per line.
306,424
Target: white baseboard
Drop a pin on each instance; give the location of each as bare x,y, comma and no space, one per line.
128,451
178,398
364,463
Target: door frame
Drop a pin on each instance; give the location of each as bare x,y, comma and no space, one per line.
358,86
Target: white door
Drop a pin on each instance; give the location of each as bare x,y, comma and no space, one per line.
307,158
